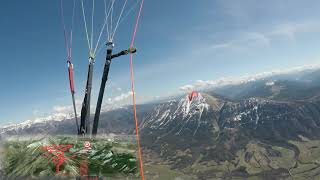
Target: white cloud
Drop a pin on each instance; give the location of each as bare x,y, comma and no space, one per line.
122,97
62,109
187,87
117,101
221,46
257,37
290,30
35,112
287,31
201,84
264,38
244,39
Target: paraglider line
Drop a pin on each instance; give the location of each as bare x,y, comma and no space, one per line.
130,11
120,16
85,24
92,17
72,23
133,92
68,45
103,27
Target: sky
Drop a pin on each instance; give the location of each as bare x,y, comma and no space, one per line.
179,42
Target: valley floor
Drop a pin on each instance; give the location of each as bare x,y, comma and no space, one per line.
299,161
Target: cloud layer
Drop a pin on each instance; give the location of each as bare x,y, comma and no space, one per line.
204,84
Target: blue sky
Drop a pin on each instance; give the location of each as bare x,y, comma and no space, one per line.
179,42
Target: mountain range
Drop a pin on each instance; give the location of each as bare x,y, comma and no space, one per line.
268,128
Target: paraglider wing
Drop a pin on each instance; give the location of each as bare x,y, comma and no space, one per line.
192,95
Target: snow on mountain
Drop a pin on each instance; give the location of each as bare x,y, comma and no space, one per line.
270,83
60,113
65,112
247,108
178,115
29,123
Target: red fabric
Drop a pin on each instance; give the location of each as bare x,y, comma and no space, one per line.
70,70
192,95
58,152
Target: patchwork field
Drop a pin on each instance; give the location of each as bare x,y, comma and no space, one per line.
256,161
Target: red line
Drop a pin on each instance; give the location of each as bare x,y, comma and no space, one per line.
137,24
133,92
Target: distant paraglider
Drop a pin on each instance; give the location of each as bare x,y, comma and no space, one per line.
192,95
